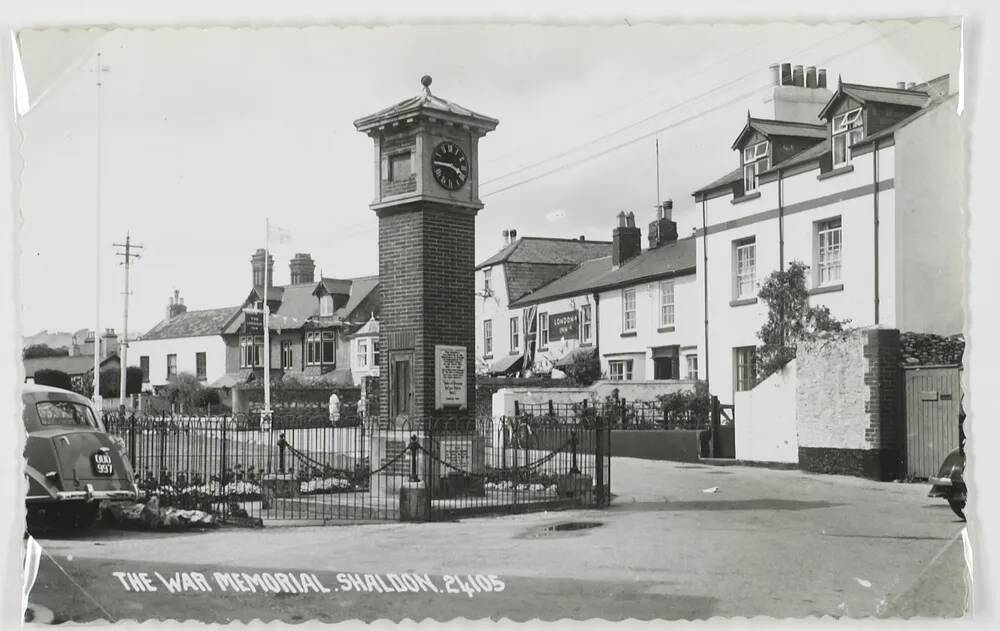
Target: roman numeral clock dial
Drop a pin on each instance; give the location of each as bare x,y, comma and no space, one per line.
449,166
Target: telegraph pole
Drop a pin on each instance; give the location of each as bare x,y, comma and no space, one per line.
128,255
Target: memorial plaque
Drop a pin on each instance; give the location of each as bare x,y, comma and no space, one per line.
450,387
564,326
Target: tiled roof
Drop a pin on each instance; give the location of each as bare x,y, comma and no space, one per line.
877,94
299,303
730,178
782,128
523,277
423,103
192,324
888,131
671,259
812,153
548,251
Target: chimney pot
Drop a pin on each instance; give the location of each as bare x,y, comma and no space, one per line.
630,219
786,74
797,76
775,74
910,85
513,235
811,76
583,238
901,85
821,78
621,219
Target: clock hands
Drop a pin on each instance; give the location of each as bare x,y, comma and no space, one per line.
449,165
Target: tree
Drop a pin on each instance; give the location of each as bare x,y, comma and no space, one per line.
111,382
44,350
54,378
187,392
790,318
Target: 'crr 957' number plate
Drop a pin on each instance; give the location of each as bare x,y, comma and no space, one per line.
102,464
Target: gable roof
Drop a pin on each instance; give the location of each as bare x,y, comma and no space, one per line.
676,258
876,94
192,324
780,128
548,251
299,303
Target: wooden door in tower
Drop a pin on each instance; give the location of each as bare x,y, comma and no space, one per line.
401,385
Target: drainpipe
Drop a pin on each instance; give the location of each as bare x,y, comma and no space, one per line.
704,275
875,208
781,222
597,325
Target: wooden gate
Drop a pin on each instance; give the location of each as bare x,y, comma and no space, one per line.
932,397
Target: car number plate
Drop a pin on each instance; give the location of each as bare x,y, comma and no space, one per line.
102,464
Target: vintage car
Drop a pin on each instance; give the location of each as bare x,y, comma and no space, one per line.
72,463
950,482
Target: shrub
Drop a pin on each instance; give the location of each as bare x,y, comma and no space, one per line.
54,378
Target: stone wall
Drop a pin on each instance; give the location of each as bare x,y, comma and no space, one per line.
927,349
849,404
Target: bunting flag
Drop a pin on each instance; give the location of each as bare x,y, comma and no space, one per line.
530,322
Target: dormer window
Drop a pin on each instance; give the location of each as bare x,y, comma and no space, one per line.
755,160
326,305
848,129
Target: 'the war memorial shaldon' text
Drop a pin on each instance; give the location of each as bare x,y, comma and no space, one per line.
306,582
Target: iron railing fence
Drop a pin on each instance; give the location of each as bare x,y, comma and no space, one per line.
231,466
620,414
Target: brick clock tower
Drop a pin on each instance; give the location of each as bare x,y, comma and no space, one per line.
426,199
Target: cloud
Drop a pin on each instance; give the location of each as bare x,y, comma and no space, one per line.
555,215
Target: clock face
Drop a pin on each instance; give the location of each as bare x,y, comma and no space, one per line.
449,166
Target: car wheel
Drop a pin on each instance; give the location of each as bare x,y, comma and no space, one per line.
958,506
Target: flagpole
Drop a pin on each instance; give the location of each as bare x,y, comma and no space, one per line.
267,331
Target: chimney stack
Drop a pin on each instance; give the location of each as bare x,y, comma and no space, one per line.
257,264
302,268
799,94
901,85
110,343
910,85
176,306
663,229
626,240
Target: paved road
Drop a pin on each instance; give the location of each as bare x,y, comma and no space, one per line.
776,543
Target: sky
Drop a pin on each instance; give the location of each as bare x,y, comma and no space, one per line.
201,134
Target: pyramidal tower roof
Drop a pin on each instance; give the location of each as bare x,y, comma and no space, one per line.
425,105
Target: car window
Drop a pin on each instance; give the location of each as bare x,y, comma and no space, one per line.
65,413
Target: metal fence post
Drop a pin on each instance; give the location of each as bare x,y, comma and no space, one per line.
714,435
131,441
573,440
414,446
282,443
599,460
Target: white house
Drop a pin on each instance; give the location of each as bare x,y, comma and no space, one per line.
523,264
183,342
640,310
365,351
866,192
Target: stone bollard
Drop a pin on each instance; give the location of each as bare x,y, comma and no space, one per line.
576,485
413,502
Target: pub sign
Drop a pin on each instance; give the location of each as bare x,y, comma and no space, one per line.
563,326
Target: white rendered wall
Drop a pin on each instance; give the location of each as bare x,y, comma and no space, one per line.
185,348
766,429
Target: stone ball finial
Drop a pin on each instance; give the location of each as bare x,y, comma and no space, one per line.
426,81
